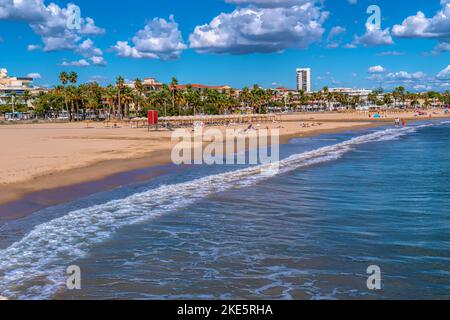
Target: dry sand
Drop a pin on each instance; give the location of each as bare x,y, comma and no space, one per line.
38,157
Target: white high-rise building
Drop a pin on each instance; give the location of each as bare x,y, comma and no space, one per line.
304,79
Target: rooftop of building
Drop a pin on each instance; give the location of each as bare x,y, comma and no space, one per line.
201,86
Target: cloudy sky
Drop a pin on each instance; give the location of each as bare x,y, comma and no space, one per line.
235,42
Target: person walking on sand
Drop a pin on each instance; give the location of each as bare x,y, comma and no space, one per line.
397,122
404,124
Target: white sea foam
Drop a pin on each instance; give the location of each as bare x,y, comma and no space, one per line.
34,266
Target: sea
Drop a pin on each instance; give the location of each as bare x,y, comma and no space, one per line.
339,204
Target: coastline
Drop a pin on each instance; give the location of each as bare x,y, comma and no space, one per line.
22,198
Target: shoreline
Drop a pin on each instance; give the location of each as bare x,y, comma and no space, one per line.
107,168
25,197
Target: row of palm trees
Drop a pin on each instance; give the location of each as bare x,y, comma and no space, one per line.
121,101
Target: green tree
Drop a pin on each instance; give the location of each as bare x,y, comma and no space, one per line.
64,78
120,83
173,88
399,94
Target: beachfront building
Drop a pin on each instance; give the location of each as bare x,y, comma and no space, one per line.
281,94
362,94
17,96
202,87
304,79
13,86
151,85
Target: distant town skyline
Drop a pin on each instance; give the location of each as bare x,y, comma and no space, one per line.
231,42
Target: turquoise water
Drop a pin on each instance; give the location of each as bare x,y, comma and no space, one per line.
340,203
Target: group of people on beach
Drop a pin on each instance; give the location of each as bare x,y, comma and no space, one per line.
400,122
309,125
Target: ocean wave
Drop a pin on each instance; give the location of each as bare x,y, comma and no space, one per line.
33,267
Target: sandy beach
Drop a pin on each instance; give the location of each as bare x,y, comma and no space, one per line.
46,156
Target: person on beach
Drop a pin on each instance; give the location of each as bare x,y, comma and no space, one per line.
397,122
404,123
250,127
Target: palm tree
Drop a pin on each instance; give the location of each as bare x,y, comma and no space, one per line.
373,97
140,89
119,84
193,99
387,99
64,78
127,98
173,87
255,97
355,101
399,94
289,99
26,97
327,96
245,97
73,79
446,97
13,102
139,86
110,96
164,97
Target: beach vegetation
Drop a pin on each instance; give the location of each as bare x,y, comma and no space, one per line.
127,99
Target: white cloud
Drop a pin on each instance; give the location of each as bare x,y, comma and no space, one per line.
77,63
34,47
410,80
333,45
391,53
34,75
374,36
260,28
404,75
89,28
441,47
49,22
87,49
335,31
413,26
29,10
444,74
420,26
422,87
350,46
98,60
268,3
160,39
377,69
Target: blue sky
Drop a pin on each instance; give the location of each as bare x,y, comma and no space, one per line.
235,42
